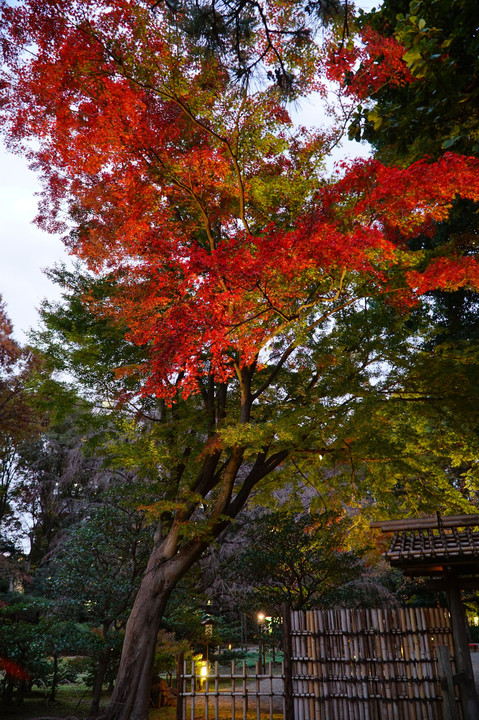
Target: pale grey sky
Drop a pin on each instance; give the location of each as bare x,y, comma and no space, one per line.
24,249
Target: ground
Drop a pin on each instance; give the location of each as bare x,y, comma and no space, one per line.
74,700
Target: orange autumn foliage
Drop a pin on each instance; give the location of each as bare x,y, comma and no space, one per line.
200,198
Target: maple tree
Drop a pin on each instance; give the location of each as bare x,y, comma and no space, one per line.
223,250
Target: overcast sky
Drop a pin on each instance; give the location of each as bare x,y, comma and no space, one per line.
24,250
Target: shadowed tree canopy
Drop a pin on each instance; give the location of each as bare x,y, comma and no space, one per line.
294,558
431,107
438,110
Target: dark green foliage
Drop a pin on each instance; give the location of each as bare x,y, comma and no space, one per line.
440,110
228,30
294,558
31,641
95,574
94,577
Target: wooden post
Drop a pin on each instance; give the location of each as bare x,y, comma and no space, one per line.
447,684
464,672
288,663
180,663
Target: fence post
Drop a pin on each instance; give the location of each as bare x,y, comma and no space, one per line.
288,663
462,657
180,665
447,684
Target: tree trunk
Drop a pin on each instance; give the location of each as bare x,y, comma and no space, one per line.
166,566
53,690
100,676
131,696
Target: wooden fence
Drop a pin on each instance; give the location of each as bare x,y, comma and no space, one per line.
368,664
375,664
240,694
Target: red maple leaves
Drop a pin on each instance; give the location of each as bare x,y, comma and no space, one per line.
366,66
201,201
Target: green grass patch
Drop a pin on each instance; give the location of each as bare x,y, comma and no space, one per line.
72,699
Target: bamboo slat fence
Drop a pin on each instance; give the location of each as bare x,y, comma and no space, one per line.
370,664
374,664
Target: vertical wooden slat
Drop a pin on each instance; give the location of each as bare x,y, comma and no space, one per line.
270,672
193,689
217,689
310,664
316,656
179,686
206,693
288,663
447,685
258,698
233,690
323,688
245,691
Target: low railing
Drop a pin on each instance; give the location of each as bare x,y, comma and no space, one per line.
238,694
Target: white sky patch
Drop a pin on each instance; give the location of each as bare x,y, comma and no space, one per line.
25,250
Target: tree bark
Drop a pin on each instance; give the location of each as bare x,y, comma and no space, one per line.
131,696
53,689
98,686
168,563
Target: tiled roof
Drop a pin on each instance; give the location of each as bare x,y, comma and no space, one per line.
436,545
432,540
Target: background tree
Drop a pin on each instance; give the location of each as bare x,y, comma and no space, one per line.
20,423
437,110
426,107
32,641
94,575
293,558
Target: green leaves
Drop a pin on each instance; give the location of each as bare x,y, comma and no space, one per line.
293,558
439,110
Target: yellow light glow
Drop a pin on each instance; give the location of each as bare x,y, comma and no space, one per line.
204,671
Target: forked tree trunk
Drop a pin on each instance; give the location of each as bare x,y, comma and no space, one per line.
166,566
131,696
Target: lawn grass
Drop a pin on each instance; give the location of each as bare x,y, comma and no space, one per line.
70,700
74,701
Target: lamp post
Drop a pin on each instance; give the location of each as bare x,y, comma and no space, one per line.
208,626
262,660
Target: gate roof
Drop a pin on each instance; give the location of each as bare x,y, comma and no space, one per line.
433,545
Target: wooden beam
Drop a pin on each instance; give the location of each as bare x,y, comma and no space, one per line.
427,522
447,684
462,656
